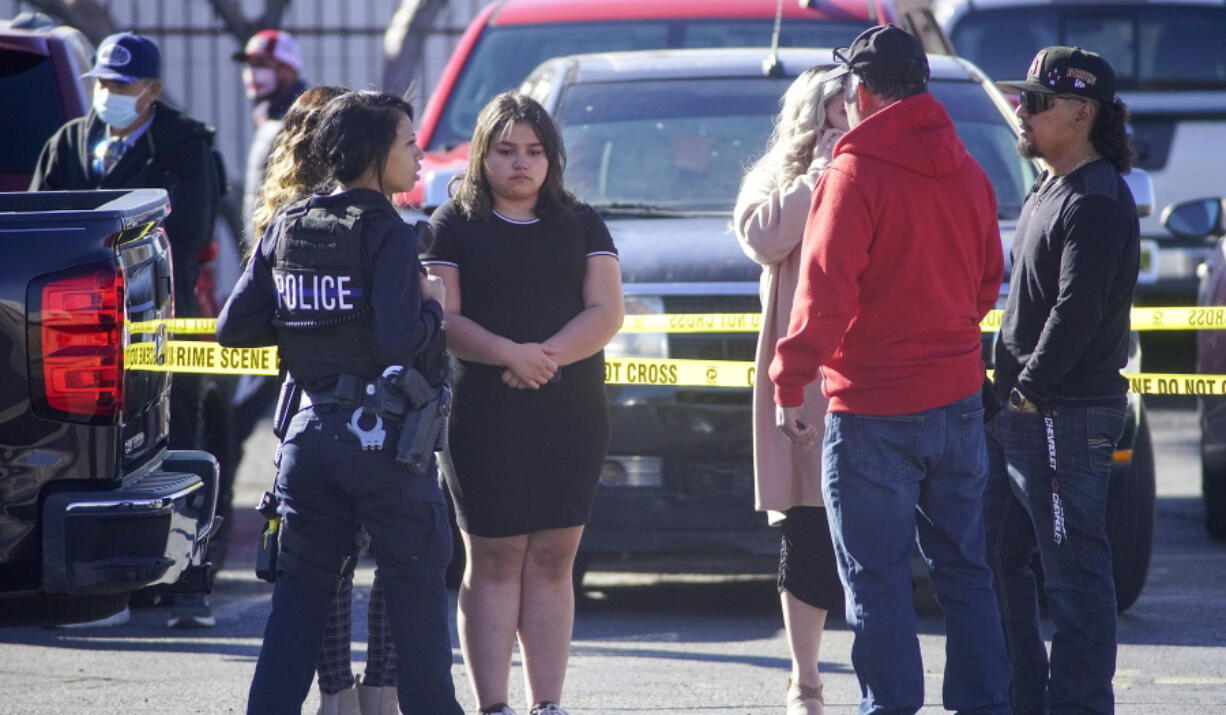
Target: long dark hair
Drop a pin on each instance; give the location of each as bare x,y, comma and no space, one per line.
1110,135
356,132
472,191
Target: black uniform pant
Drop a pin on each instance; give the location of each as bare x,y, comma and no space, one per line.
327,484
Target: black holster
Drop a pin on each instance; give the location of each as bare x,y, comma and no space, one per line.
288,402
424,432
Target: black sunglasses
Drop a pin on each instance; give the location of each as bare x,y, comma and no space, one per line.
1036,102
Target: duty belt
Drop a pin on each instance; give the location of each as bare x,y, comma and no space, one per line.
403,397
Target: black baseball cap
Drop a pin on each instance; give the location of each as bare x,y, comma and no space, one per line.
885,51
1067,70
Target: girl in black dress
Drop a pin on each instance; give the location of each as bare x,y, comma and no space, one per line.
534,294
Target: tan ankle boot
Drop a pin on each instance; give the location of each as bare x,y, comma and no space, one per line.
343,703
378,700
805,700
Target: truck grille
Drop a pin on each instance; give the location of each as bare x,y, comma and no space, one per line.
712,346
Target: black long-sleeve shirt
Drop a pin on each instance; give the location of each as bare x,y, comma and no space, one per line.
403,323
1064,337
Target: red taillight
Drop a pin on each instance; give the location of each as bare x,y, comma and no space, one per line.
82,343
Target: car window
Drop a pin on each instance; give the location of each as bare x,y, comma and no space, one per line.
674,144
504,56
989,136
1151,47
30,122
685,144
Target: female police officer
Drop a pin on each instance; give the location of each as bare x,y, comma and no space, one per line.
335,285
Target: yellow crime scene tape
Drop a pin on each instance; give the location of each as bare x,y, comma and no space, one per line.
198,356
201,357
1177,318
211,358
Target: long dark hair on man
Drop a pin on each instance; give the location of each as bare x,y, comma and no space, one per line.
1110,135
472,192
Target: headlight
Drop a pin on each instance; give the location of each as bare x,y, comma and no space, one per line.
652,345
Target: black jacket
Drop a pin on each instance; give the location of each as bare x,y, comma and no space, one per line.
174,154
1064,337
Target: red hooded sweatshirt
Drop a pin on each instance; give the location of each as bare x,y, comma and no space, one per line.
900,262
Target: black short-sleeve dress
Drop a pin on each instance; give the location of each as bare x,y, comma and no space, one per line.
519,461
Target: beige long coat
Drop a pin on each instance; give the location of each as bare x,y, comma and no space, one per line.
769,221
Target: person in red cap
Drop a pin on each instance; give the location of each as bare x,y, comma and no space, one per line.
900,260
272,66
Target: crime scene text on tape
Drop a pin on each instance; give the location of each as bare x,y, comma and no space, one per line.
210,358
201,357
1177,318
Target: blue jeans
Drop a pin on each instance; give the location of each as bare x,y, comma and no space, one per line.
1077,574
886,481
327,484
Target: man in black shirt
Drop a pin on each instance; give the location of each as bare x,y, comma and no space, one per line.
1062,344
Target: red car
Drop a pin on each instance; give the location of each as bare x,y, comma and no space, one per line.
509,38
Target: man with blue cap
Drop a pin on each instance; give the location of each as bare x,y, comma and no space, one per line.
131,139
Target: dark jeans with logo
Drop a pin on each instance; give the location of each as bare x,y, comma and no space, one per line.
1077,574
327,484
888,480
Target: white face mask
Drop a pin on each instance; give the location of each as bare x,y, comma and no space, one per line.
260,81
116,110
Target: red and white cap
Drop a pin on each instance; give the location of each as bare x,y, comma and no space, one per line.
275,44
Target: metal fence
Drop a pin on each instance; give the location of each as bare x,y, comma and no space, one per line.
341,42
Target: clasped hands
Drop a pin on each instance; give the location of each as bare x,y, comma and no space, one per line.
530,365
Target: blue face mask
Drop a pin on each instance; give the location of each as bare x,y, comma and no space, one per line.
117,110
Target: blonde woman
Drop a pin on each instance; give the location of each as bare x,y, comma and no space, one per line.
769,221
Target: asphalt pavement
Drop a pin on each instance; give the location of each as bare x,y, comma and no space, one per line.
644,642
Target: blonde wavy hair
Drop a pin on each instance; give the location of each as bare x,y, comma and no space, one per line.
799,125
291,172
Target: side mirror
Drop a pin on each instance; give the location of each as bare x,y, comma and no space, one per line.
1201,218
1142,188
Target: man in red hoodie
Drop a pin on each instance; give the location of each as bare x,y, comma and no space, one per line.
901,261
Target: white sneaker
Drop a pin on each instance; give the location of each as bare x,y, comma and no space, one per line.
117,619
191,610
548,709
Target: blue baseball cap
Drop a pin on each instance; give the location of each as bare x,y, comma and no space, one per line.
126,57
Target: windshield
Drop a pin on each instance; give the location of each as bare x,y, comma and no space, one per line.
504,56
683,145
1151,47
30,122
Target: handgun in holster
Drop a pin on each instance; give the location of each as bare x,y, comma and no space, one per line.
424,429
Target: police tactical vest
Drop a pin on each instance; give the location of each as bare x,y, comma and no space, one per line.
324,320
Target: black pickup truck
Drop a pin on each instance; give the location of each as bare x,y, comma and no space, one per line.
92,504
